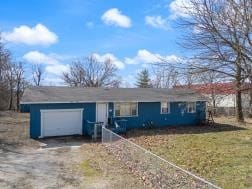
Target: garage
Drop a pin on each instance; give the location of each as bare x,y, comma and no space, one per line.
60,122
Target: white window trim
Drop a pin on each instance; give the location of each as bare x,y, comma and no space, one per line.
168,106
187,106
127,115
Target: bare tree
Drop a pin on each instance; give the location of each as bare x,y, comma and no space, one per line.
12,80
11,84
220,34
88,72
37,74
209,82
165,76
20,82
5,59
250,96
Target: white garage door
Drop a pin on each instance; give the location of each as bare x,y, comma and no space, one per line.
61,122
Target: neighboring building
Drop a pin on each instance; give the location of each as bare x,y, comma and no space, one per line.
221,95
56,111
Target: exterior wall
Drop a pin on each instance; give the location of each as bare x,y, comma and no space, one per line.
229,100
25,108
147,112
35,115
150,112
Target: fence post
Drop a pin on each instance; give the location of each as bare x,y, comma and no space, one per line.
110,137
102,135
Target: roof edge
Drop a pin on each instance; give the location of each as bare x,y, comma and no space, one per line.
68,102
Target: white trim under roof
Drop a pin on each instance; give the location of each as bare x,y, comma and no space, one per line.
67,102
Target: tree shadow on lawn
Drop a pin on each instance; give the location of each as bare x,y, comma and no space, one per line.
217,127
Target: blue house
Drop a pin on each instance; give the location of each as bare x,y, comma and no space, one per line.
58,111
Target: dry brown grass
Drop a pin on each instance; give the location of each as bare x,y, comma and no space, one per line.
222,153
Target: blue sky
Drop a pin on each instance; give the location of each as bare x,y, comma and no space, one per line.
54,32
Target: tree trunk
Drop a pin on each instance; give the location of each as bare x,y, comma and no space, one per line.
239,113
214,108
11,99
18,100
250,97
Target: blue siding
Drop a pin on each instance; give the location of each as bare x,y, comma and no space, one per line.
24,108
150,112
89,113
147,112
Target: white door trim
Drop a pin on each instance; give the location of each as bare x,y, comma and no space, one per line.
56,110
107,110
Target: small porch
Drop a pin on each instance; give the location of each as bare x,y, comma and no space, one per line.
94,129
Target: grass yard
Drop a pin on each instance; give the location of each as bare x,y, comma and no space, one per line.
222,154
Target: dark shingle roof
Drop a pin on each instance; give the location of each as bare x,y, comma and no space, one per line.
72,94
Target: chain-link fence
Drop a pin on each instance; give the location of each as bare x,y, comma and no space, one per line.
152,169
228,111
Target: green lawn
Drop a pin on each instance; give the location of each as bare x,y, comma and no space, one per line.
222,154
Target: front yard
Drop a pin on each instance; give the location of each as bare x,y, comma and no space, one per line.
222,154
65,162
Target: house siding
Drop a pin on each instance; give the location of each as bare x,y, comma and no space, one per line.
24,108
147,112
89,114
150,112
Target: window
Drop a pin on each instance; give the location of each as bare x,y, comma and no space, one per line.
126,109
191,107
165,107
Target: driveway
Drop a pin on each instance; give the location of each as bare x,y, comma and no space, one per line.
62,162
28,167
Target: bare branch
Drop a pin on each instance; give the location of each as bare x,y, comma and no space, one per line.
88,72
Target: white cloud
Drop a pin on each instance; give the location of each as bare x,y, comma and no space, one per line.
172,59
51,64
180,8
38,35
157,22
146,57
57,69
52,80
143,56
128,81
36,57
114,60
115,17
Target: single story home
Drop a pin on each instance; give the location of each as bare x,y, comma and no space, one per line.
58,111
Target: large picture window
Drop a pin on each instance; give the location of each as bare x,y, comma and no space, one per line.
126,109
165,107
191,107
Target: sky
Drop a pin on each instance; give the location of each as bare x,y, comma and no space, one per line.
53,33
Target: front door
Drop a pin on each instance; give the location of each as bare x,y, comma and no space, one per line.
102,112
